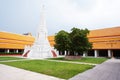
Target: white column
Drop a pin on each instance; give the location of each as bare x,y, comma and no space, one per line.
109,53
65,53
8,50
84,54
96,53
17,51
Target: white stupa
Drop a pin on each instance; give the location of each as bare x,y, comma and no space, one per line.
41,47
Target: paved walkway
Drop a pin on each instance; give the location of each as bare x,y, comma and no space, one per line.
109,70
15,60
74,62
12,73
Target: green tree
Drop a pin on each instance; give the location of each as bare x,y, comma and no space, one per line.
79,41
62,41
75,42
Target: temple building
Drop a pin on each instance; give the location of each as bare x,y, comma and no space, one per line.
106,42
11,43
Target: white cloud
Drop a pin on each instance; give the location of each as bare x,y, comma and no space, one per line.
100,14
60,14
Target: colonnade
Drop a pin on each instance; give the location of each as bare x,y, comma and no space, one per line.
11,50
96,53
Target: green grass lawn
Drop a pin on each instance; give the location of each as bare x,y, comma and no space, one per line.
84,59
4,58
57,69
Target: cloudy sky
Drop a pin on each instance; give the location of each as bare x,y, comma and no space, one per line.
21,16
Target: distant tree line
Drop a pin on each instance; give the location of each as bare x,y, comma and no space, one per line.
74,43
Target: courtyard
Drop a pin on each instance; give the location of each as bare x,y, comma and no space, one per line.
63,70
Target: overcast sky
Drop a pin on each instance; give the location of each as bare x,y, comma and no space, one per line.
21,16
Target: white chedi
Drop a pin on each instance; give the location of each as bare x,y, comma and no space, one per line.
41,47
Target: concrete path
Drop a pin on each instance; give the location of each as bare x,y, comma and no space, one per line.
73,62
12,73
15,60
109,70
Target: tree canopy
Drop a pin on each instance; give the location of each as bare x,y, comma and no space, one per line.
75,42
62,41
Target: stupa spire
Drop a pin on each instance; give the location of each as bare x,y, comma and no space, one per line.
41,47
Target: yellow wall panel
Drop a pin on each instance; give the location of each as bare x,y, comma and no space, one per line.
11,46
15,41
15,36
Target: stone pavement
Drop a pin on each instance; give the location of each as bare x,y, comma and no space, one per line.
109,70
12,73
